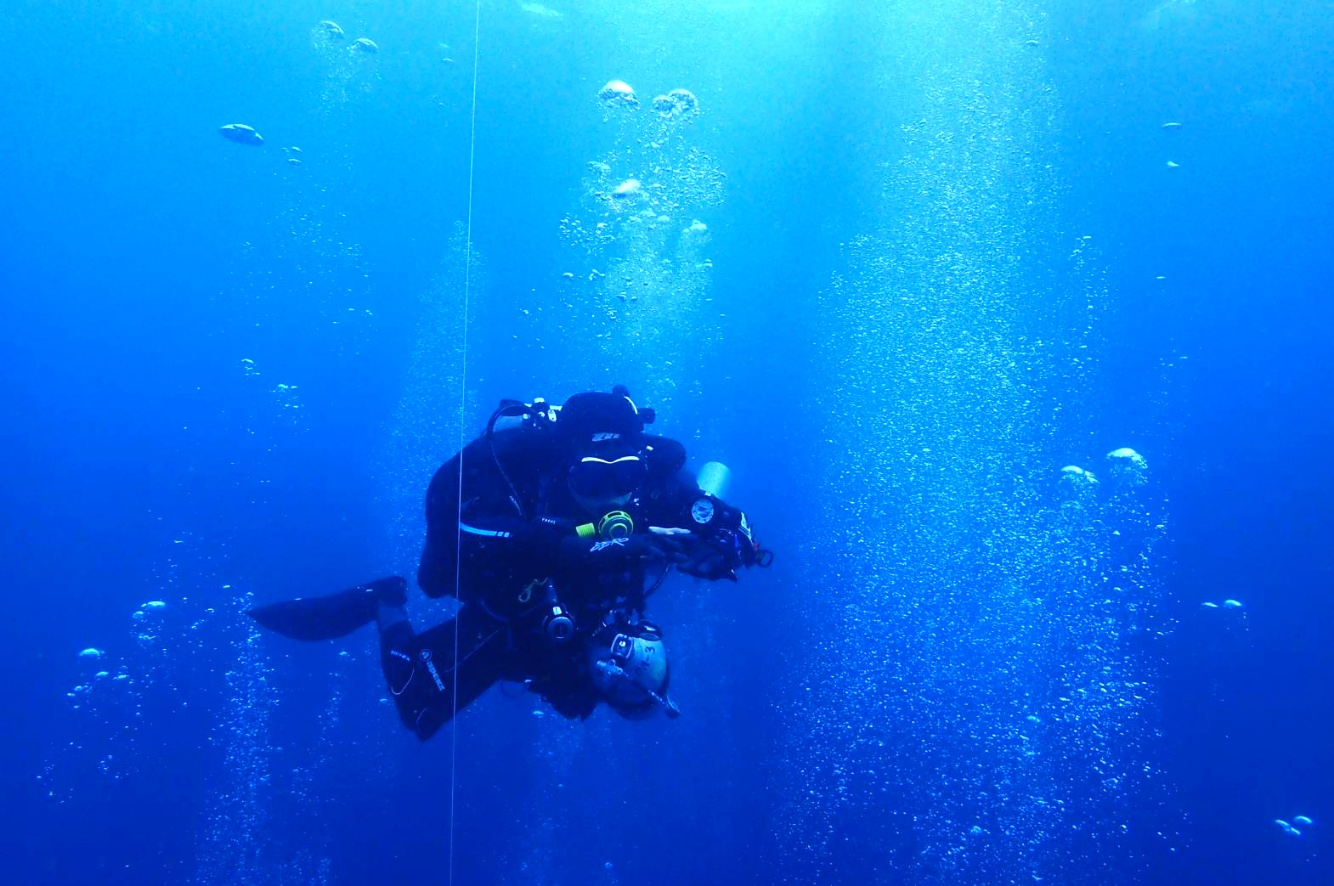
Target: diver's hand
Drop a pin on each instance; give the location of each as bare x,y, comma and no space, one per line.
721,553
710,561
620,553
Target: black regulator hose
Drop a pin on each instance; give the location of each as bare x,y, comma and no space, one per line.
511,407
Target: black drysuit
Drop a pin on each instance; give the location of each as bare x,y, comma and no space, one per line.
508,553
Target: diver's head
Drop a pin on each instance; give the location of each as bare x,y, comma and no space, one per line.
603,437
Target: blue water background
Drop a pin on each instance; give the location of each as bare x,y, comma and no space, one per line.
143,258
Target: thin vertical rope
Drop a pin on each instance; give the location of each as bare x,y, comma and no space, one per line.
463,413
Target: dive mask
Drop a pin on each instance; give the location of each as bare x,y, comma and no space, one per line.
600,479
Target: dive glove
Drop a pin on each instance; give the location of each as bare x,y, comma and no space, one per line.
618,553
718,555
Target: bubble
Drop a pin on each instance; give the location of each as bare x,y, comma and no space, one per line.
1075,477
1074,473
1127,467
677,104
539,10
1009,599
241,134
91,652
618,93
627,189
348,66
288,400
651,277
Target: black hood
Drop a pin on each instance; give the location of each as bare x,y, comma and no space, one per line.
596,420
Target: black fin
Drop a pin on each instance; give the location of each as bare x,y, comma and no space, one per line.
331,616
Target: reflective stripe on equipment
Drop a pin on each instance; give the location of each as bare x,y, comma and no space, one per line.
489,533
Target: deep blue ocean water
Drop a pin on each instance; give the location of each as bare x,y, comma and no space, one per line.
904,263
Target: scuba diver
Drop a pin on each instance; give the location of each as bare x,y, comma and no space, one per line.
552,529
